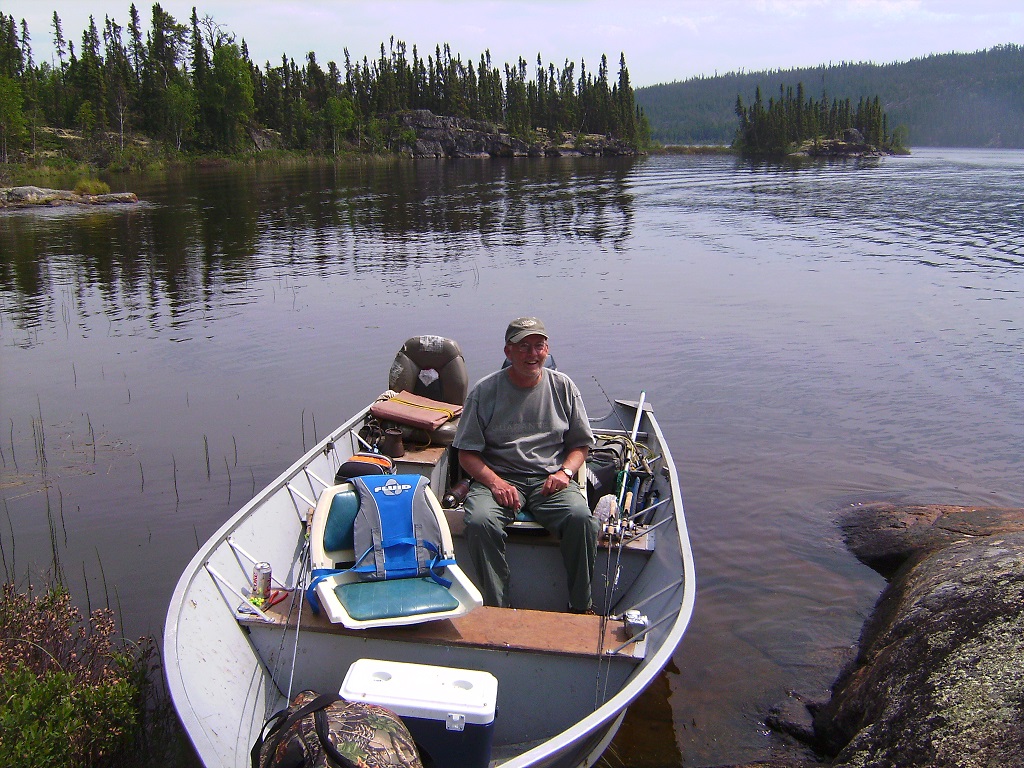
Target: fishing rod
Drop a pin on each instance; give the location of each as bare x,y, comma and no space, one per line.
612,576
632,440
615,411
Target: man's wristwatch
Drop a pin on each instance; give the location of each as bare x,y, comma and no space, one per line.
568,472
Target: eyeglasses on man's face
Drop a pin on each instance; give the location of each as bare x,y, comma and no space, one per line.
525,347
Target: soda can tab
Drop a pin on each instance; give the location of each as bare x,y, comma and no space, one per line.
261,581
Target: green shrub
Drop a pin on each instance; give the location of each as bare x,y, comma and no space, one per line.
70,695
54,720
91,187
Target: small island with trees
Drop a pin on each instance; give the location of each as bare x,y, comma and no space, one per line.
797,124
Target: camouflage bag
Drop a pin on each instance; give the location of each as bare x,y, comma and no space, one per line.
325,731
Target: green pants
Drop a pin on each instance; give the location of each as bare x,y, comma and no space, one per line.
565,514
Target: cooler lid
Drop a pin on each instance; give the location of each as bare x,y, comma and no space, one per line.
420,690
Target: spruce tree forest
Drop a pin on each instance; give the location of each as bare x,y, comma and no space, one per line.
193,87
947,100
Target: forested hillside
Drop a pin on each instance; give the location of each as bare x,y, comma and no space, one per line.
193,87
955,99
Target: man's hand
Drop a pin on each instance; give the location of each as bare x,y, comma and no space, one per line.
556,482
505,494
559,481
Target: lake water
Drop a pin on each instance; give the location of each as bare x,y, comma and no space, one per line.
811,337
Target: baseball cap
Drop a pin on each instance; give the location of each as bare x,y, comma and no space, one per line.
522,327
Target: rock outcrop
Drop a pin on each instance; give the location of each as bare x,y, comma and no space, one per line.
852,144
938,680
439,136
939,677
23,197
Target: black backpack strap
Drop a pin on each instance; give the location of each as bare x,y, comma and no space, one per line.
320,722
281,721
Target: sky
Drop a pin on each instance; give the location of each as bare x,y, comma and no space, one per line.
662,41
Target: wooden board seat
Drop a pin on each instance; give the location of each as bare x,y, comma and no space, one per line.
490,628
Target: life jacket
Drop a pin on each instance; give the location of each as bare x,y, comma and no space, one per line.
396,532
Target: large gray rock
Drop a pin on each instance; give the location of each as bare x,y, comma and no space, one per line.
885,536
939,677
440,136
23,197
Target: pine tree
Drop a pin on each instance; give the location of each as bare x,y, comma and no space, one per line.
192,85
12,61
118,77
88,78
12,119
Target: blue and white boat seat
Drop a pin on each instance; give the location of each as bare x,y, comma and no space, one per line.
348,598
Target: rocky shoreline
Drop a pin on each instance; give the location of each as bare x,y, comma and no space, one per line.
938,679
24,197
852,144
438,136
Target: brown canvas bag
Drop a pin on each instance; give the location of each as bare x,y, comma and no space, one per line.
415,411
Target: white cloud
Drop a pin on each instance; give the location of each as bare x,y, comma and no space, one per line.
887,9
663,40
689,23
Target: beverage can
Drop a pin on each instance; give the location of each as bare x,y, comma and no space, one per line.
261,580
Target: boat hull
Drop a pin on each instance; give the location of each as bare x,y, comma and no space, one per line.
559,702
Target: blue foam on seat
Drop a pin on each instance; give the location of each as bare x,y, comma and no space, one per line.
366,600
523,516
338,533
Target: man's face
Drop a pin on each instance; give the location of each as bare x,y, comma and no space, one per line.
528,356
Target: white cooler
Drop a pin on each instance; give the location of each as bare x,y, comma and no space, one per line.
449,712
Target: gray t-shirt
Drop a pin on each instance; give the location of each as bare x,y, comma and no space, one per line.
524,430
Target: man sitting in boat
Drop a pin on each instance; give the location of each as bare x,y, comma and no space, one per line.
523,435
